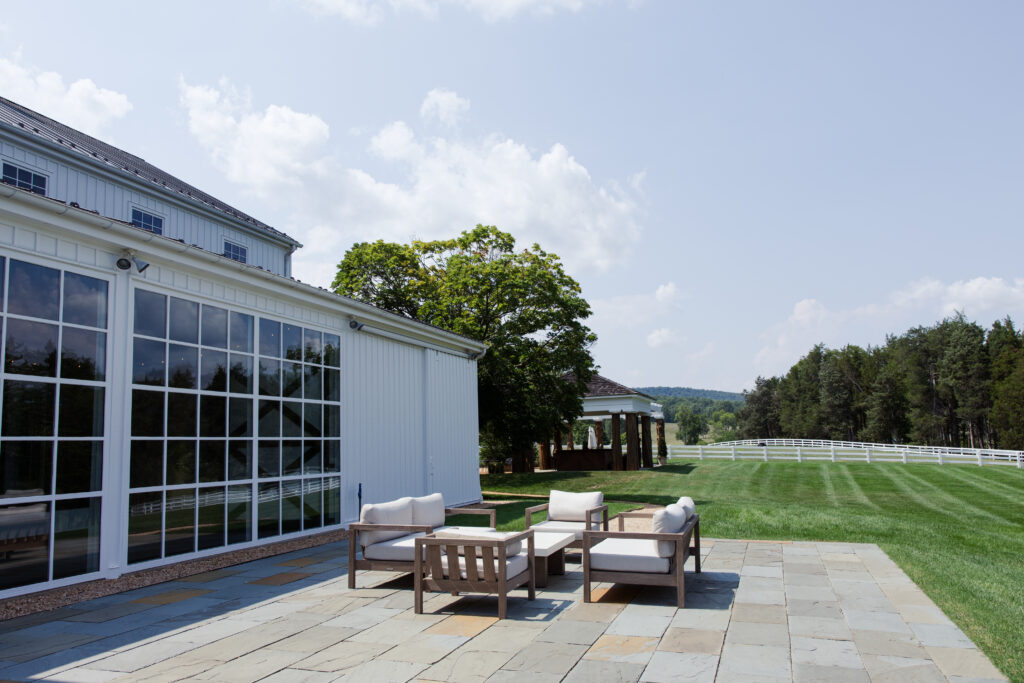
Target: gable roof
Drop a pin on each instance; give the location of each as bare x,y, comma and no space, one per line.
100,153
599,386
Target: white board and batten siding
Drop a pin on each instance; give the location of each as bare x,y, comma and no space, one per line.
116,200
409,423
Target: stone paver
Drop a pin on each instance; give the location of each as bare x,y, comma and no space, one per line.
759,612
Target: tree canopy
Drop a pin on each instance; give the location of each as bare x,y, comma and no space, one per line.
520,302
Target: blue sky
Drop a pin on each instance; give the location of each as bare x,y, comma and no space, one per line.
730,182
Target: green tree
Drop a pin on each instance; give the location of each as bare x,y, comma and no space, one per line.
520,302
759,417
689,425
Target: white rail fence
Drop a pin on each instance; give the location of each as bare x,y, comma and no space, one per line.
806,450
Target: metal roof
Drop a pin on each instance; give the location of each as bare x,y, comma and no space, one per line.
100,153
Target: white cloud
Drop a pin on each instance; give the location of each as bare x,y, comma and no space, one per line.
631,310
923,302
660,337
449,185
372,12
444,105
82,105
667,293
261,150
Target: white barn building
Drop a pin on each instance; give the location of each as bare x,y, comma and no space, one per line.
170,392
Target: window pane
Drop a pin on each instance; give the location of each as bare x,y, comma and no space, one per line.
332,350
291,506
313,382
332,455
211,517
332,501
31,348
312,504
28,408
184,320
85,303
311,459
270,377
83,354
34,290
150,313
291,457
241,374
3,280
181,414
240,417
270,338
215,371
291,336
241,332
270,418
313,343
239,459
145,515
291,380
183,366
81,411
215,327
181,462
147,413
147,467
30,564
180,531
25,468
311,425
149,362
270,459
212,415
332,385
291,414
239,514
332,421
76,537
79,466
211,461
269,510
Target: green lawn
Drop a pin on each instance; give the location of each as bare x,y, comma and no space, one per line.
956,530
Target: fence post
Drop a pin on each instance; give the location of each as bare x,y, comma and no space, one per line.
979,458
867,451
832,448
941,459
904,456
1019,466
734,455
799,455
766,454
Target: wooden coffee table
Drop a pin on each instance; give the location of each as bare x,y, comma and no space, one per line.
549,555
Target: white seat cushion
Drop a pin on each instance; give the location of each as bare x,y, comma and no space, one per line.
428,510
563,527
393,512
401,549
513,566
667,521
565,506
627,555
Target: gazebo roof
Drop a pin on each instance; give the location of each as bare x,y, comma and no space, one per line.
602,386
605,396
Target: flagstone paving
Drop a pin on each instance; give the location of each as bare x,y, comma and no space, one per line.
761,611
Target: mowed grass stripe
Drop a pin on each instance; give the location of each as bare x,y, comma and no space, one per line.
956,531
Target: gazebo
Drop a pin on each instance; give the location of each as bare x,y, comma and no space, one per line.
608,399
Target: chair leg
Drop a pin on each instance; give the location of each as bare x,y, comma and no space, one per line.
351,559
586,590
681,590
418,592
502,605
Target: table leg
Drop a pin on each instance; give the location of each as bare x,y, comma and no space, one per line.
540,571
556,562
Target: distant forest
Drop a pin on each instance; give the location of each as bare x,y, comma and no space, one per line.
687,392
951,384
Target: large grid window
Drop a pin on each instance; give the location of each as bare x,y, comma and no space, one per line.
147,221
221,440
52,425
24,178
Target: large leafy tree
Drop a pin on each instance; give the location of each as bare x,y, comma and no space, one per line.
520,302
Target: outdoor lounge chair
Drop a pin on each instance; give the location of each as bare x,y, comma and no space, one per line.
568,513
490,563
386,532
653,558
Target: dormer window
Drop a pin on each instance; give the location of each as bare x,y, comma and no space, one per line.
235,252
147,221
25,179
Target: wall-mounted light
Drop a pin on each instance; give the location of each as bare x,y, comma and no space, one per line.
139,263
127,259
123,263
355,324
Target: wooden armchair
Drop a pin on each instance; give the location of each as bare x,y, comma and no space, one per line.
484,564
571,513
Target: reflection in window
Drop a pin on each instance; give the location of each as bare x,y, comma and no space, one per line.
269,510
241,332
26,468
270,338
211,461
215,371
270,377
34,291
270,418
240,417
291,506
145,516
332,350
149,362
241,374
239,459
312,503
180,525
181,414
292,338
147,413
31,348
184,321
313,345
291,457
27,560
76,537
83,354
147,464
270,459
150,313
182,366
81,411
181,462
79,466
85,300
239,514
210,532
215,327
212,415
28,408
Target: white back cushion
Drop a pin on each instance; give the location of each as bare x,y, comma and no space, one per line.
668,521
450,532
428,510
393,512
572,507
687,504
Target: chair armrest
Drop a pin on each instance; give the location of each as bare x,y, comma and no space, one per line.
684,534
603,509
491,512
411,528
530,510
633,514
